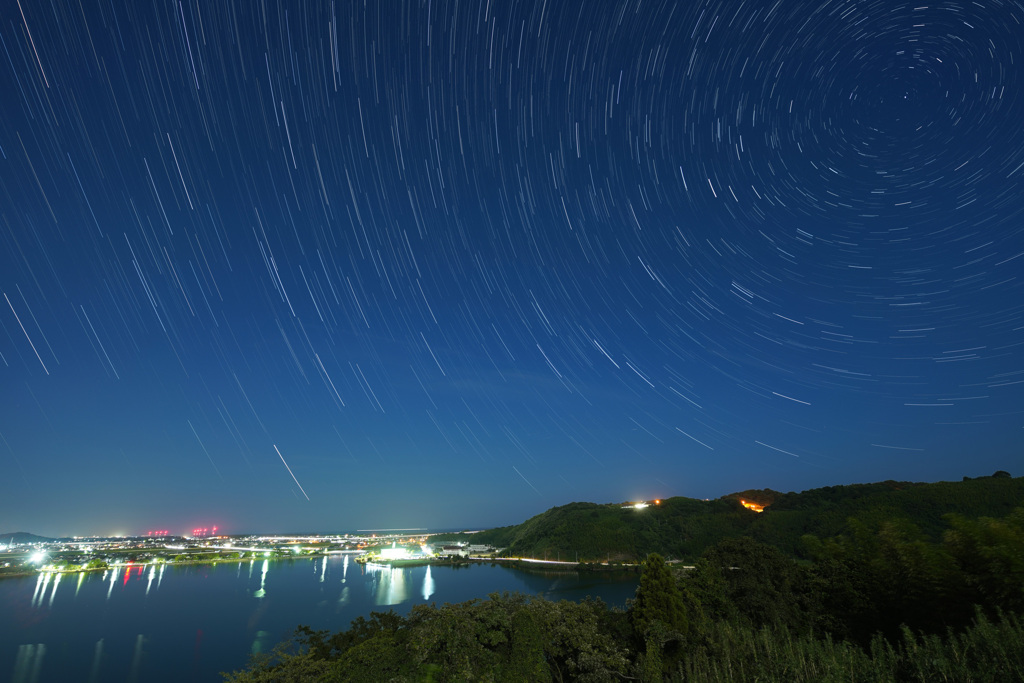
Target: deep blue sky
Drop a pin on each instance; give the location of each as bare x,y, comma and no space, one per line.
456,263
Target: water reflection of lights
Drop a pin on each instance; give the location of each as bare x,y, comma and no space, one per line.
113,580
28,662
260,643
387,584
344,569
133,674
41,582
428,584
94,673
53,593
263,580
344,597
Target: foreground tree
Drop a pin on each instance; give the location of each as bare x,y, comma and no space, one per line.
658,599
990,553
508,637
660,621
762,585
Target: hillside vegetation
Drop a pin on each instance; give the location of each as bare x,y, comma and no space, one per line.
899,582
682,528
877,604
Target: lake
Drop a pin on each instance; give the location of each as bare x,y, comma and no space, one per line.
168,623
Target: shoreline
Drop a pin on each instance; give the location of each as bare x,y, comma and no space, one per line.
520,563
187,563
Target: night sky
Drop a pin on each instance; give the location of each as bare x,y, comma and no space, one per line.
321,266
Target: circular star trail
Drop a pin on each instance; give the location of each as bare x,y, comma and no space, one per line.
309,266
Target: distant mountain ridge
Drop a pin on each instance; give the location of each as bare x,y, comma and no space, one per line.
22,538
683,528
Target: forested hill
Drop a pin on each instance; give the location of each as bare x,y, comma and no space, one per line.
22,537
682,528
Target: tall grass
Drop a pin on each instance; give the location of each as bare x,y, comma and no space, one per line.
988,651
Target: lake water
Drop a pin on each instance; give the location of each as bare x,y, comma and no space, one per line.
190,623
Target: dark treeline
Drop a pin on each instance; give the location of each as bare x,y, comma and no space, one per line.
882,601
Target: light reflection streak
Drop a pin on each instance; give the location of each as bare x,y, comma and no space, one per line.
133,674
260,642
388,584
28,663
39,585
263,580
47,576
113,580
428,584
53,593
346,595
94,672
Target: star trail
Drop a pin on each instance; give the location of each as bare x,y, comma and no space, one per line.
463,261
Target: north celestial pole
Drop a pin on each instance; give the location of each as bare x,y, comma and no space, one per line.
624,251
